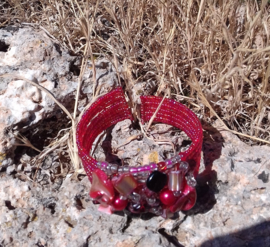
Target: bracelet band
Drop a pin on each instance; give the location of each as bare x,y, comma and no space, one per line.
162,188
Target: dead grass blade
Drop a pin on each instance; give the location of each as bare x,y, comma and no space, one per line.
25,141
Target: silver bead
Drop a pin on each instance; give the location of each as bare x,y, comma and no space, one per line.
142,181
135,197
173,160
184,167
177,157
108,170
99,164
156,210
114,168
152,202
191,180
169,164
120,170
126,168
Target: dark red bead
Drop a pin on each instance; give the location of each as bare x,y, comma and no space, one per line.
161,166
167,197
118,204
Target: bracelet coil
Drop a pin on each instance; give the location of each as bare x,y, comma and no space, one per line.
162,188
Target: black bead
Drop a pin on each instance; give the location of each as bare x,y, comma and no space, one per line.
156,181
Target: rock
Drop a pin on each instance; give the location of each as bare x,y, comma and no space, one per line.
229,201
33,55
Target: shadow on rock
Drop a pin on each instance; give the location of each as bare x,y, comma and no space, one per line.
254,236
207,180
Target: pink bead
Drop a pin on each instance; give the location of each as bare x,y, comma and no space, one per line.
119,204
146,168
143,169
104,165
102,188
153,166
167,197
168,162
105,209
140,169
133,170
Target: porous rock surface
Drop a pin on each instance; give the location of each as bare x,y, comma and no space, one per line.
233,202
32,54
232,207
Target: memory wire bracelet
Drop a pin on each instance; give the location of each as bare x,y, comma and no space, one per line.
163,188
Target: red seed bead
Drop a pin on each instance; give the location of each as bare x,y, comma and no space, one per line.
167,197
161,166
119,204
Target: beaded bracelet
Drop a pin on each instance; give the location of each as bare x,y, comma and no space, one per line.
162,188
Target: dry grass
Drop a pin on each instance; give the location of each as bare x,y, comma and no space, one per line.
213,55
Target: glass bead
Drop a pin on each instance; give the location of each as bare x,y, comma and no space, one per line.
191,199
136,208
153,201
104,165
119,204
156,181
99,164
153,167
191,180
135,197
169,164
178,205
166,213
126,169
108,170
133,170
105,209
176,179
184,167
156,210
142,181
167,197
186,201
174,161
120,170
114,168
177,158
101,188
161,166
125,184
